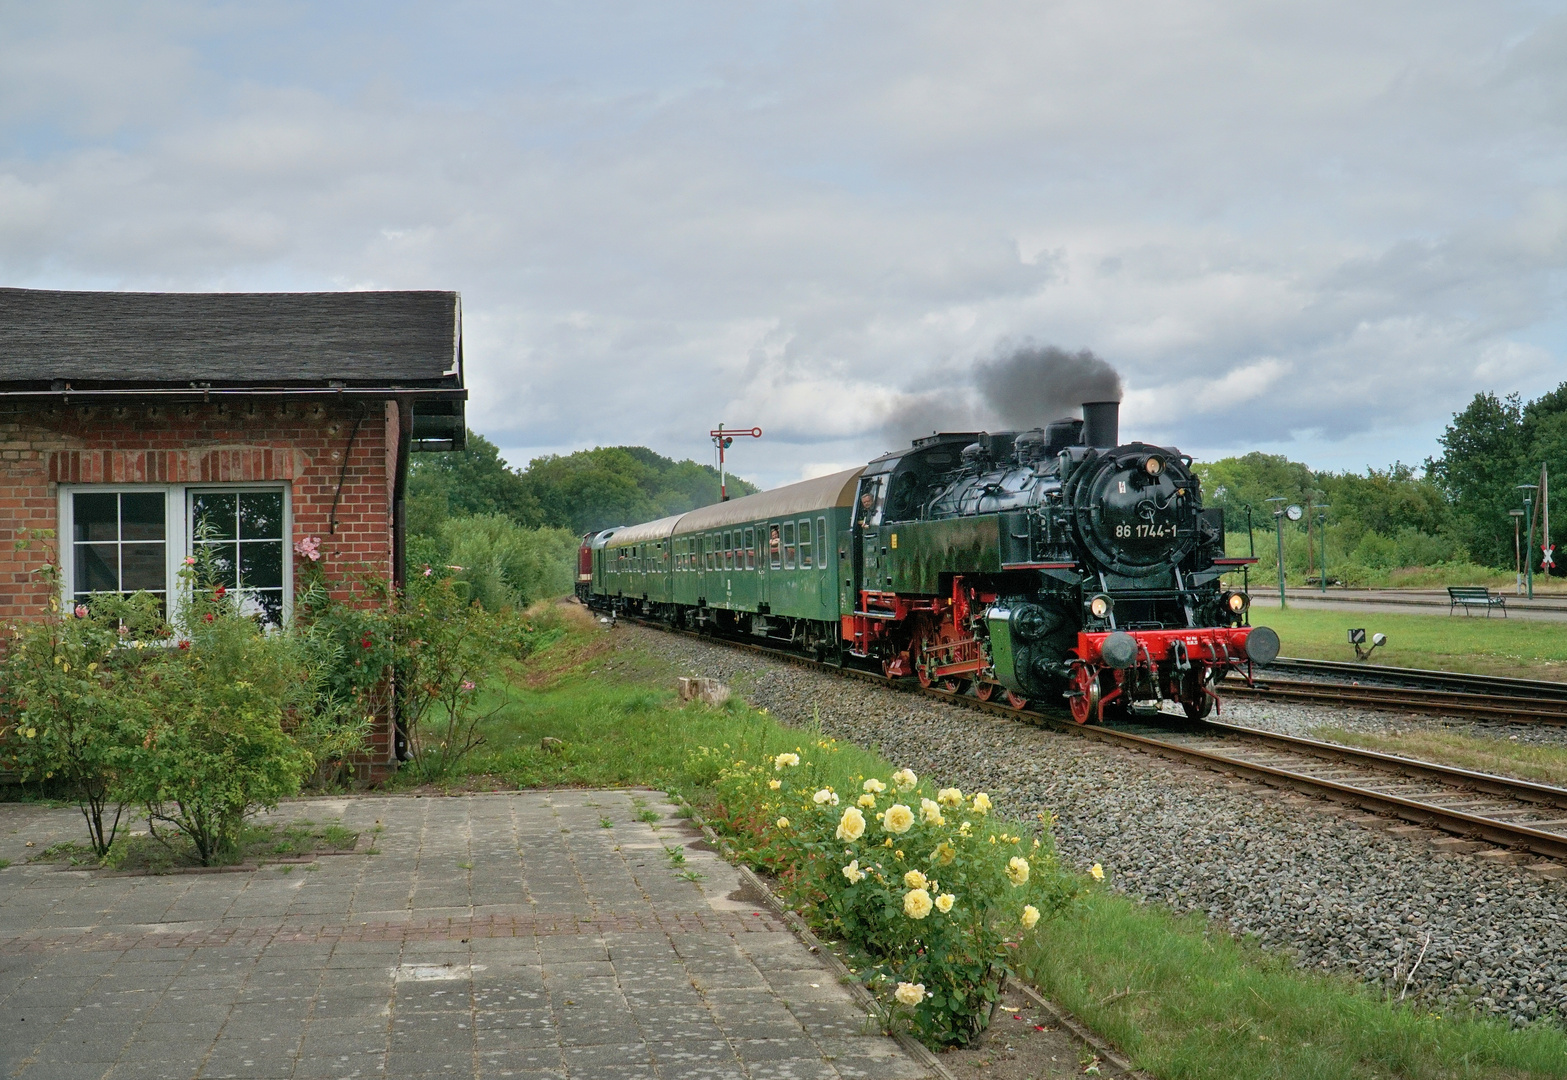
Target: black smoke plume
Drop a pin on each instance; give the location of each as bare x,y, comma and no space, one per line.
1028,384
1021,386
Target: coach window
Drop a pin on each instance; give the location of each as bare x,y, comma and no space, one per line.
774,549
750,549
823,554
788,545
805,544
712,551
729,551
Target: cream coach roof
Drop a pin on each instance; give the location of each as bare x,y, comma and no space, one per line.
808,496
649,532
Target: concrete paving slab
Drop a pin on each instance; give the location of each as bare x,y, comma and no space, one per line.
497,935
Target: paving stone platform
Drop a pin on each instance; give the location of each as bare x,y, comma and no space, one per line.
499,935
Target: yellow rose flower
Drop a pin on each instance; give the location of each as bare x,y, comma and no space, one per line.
867,801
1017,870
785,759
910,993
874,786
899,819
905,779
775,784
853,872
930,813
916,903
944,902
825,795
944,854
783,823
981,803
949,796
32,733
915,880
1096,872
852,825
965,828
887,842
1030,916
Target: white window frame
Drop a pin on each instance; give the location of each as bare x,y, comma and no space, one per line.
178,531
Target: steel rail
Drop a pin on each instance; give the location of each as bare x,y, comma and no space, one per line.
1453,820
1515,710
1494,685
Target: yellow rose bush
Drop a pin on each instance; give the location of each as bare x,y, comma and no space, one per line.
933,887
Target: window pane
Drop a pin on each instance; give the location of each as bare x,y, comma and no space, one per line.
261,565
261,515
773,550
97,567
143,567
805,543
97,516
821,540
216,514
223,557
141,515
267,604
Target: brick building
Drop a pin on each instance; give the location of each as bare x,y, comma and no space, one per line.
128,418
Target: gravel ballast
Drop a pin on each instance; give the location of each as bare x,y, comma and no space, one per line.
1293,871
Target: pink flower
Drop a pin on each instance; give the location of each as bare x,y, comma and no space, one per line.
81,611
190,560
309,548
428,571
467,684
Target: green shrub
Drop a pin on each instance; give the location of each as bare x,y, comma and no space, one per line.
933,887
504,565
68,701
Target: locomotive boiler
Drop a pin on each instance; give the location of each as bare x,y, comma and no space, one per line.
1055,565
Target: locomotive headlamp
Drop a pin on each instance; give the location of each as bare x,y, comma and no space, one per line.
1237,602
1154,466
1101,606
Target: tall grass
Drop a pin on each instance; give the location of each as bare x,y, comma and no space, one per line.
504,564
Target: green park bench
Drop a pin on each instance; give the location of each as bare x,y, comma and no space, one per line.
1468,596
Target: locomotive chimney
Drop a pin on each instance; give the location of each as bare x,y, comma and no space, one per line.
1102,423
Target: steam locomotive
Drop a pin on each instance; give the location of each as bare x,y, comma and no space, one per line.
1055,565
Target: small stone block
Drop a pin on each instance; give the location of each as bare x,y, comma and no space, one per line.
1500,855
1407,831
1554,871
1455,845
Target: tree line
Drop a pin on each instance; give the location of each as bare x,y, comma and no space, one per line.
1452,511
514,532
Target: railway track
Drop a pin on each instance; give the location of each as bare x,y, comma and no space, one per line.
1422,679
1496,809
1515,710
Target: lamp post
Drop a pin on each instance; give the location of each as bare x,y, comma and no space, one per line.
1322,545
1517,516
1528,512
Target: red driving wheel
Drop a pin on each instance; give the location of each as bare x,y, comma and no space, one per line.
985,690
1017,701
1083,697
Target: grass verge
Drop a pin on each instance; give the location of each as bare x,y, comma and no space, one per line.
144,854
1544,763
1188,1003
1522,648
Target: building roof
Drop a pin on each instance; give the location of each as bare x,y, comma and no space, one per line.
107,341
808,496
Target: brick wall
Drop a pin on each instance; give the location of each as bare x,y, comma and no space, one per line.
301,442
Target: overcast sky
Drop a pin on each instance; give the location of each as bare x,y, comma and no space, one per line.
1314,229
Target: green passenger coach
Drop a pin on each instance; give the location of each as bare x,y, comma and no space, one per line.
774,564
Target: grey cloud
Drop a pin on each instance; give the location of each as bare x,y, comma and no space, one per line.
1347,205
